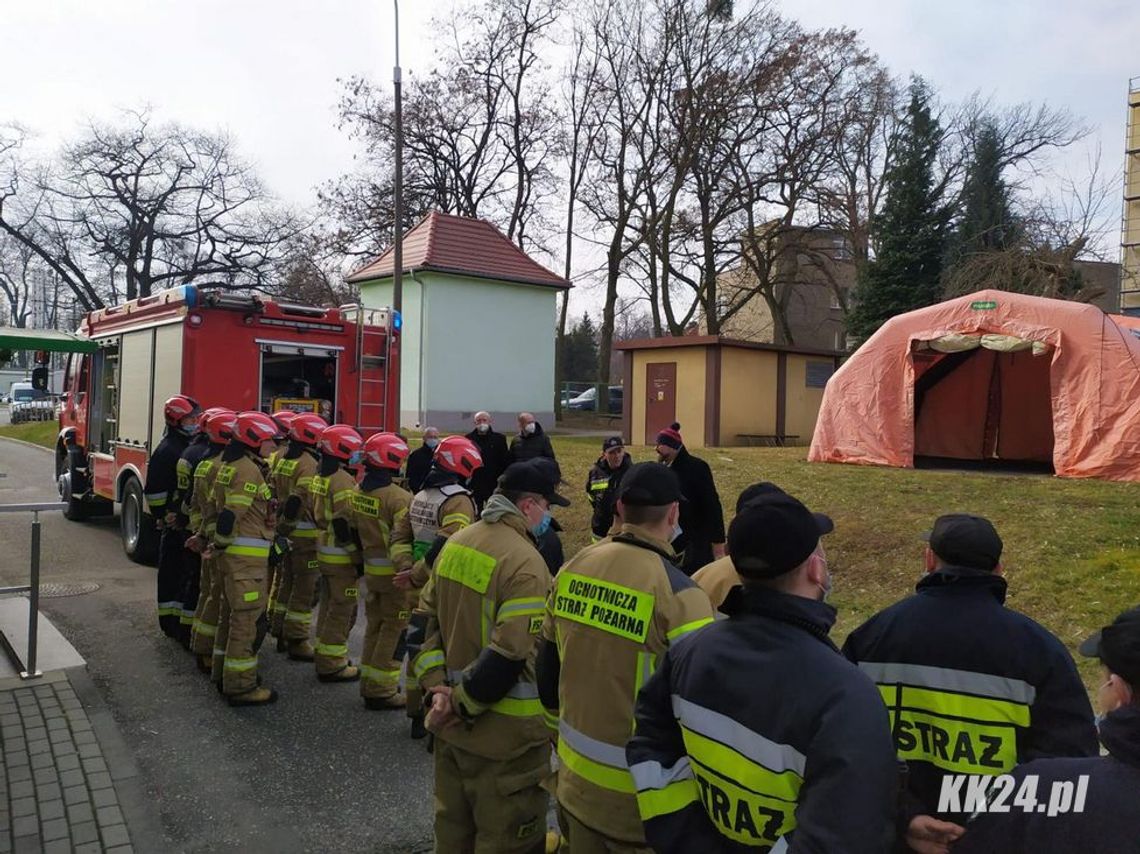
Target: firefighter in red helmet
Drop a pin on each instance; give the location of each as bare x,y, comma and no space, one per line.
291,622
378,506
444,505
181,415
275,611
242,538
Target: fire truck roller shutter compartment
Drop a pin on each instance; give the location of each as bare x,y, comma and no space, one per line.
167,376
299,376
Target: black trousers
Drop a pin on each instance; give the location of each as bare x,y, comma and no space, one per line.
697,554
171,582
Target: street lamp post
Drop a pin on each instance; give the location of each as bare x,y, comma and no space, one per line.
398,207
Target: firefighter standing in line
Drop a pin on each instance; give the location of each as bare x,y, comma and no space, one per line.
973,687
378,506
616,607
178,517
275,610
485,602
602,485
203,514
242,537
443,507
300,570
756,733
181,415
330,503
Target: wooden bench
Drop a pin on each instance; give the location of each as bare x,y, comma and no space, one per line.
767,440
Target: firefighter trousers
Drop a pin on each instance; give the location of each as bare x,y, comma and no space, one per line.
191,590
386,614
337,613
297,582
209,604
171,572
411,643
489,806
579,838
242,621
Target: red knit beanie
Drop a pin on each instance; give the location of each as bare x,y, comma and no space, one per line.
671,436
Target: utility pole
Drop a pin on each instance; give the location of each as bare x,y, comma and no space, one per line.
398,207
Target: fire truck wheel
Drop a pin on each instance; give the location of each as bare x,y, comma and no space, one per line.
75,510
140,539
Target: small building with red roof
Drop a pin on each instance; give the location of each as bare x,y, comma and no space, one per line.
478,331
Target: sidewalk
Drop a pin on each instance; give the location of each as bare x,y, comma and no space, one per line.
69,782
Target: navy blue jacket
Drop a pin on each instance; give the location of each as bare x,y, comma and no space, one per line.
972,686
1110,822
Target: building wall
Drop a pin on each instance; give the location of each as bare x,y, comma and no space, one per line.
1104,275
1130,229
471,344
748,394
689,393
802,403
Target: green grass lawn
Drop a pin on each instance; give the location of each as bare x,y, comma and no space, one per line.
1072,547
37,432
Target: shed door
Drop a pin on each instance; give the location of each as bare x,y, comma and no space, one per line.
661,389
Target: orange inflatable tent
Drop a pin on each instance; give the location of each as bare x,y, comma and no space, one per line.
990,376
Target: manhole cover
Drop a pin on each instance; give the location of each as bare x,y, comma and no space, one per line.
58,591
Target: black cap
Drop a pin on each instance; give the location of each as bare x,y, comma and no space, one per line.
540,476
649,485
773,533
611,443
757,490
1118,647
965,540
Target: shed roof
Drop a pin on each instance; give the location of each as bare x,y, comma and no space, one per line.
462,246
718,341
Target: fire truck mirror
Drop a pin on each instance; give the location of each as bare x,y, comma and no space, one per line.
40,379
41,357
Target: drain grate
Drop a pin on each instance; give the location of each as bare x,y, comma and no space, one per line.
58,591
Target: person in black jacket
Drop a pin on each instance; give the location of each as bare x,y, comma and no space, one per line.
531,441
972,687
702,519
419,461
1103,816
493,448
754,733
181,415
603,482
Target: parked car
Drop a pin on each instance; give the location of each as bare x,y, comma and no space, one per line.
30,404
587,400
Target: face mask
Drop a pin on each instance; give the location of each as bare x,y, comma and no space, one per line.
543,526
676,533
826,589
483,428
190,429
356,458
432,443
528,430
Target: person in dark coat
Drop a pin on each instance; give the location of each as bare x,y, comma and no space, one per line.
702,520
602,485
1108,818
419,460
493,448
531,441
973,687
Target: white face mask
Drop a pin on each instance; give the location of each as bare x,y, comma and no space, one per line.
528,430
483,427
676,533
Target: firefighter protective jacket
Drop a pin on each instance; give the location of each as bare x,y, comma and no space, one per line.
162,472
615,609
292,475
183,492
242,497
716,579
484,603
377,508
972,687
756,734
329,502
601,486
200,505
439,510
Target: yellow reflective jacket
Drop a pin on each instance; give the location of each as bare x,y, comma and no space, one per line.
292,477
241,488
376,511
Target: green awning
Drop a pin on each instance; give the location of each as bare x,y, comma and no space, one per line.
14,338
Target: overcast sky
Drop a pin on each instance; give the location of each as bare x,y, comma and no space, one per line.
267,70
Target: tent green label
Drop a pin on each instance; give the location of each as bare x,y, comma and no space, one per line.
982,305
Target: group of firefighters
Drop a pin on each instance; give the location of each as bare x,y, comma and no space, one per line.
629,668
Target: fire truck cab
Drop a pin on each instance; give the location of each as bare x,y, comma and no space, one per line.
238,351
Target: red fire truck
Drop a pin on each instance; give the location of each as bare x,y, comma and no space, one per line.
238,351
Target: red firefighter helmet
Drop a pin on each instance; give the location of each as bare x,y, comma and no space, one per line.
458,455
178,407
385,451
283,418
340,441
253,428
219,427
207,414
307,428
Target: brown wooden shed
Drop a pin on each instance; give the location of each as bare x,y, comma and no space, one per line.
722,391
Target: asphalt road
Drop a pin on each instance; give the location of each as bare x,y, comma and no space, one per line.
313,773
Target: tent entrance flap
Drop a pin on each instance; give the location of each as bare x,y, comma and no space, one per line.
982,397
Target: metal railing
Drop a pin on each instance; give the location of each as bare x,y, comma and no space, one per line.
28,669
